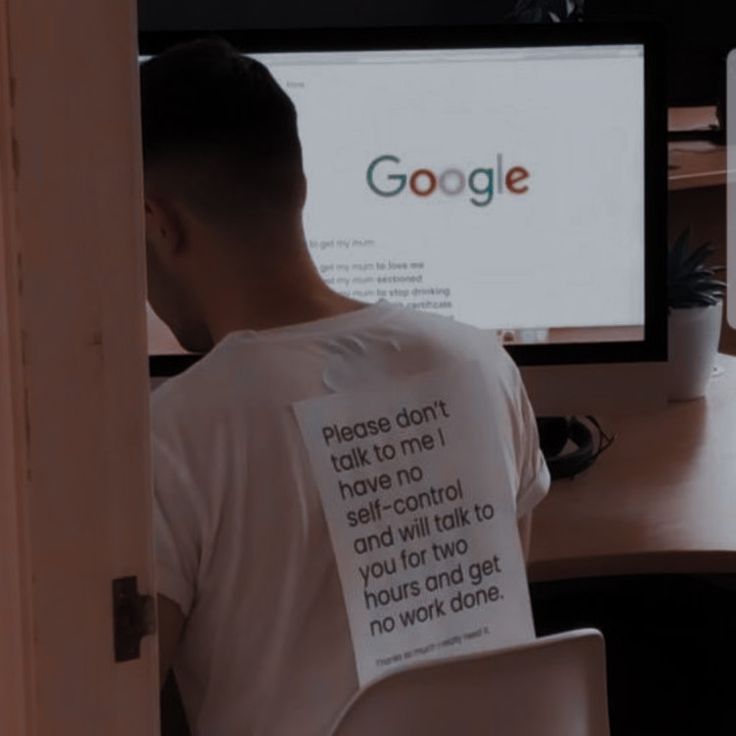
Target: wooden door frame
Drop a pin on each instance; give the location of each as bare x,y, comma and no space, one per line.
75,499
16,676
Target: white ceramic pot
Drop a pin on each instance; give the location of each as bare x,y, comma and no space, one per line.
693,344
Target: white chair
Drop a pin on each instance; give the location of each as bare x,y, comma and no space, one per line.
554,686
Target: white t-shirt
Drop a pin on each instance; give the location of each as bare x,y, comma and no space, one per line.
241,540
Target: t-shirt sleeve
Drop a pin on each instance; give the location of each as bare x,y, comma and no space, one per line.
534,478
177,535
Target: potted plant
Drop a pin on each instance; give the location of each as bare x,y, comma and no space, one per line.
695,298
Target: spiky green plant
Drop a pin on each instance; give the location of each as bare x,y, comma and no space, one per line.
690,282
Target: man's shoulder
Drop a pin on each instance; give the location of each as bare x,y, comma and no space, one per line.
250,369
464,341
440,326
189,395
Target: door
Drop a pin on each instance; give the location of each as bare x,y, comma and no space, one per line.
75,501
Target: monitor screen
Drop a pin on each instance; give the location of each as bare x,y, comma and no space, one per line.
502,185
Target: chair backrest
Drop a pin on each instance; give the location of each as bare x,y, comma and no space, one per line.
554,686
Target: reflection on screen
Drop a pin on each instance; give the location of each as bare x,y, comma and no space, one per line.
500,187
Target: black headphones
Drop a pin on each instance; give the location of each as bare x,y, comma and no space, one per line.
554,435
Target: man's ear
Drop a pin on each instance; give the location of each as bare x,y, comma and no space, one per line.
165,230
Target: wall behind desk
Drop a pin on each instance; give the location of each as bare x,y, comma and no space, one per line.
232,14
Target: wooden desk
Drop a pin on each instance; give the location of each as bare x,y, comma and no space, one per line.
661,500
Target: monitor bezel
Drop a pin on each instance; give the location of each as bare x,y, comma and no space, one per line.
653,348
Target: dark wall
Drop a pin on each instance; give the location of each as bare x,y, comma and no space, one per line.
700,34
231,14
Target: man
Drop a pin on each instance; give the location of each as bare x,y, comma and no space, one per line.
251,613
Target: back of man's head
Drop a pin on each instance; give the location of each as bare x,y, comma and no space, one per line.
220,136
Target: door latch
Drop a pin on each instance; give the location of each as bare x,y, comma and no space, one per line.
133,618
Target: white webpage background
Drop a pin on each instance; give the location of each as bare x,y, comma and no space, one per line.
568,253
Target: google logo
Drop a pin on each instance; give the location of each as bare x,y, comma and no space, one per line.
484,182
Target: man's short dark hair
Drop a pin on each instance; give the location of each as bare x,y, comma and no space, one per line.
219,132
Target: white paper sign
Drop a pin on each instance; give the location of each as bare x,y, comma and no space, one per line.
417,487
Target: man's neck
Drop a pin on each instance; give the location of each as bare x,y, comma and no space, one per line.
279,293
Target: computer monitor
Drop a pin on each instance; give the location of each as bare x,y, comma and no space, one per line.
513,178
